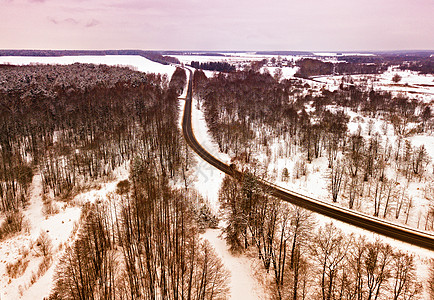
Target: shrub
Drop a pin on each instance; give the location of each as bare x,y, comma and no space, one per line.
396,78
44,265
123,187
13,223
16,269
43,244
49,208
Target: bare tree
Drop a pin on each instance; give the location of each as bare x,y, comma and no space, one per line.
431,279
329,249
355,285
377,263
336,176
405,285
230,197
44,244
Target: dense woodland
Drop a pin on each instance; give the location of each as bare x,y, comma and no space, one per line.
213,66
75,124
375,64
69,124
312,67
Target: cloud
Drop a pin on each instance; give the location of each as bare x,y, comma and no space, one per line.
74,22
92,23
52,20
70,21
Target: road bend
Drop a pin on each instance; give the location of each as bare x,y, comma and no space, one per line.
383,227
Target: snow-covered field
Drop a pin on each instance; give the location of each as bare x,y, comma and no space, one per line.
287,72
411,84
135,62
229,57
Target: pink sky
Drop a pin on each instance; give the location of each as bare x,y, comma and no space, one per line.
319,25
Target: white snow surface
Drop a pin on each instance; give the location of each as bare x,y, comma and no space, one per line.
242,285
58,227
208,178
135,62
208,181
426,140
412,84
287,72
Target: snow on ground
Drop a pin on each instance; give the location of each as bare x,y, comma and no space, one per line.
209,178
422,256
200,130
58,227
136,62
427,140
243,285
412,84
236,58
287,72
314,184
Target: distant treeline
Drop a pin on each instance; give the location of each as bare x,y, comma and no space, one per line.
422,62
313,67
425,66
197,53
284,53
151,55
213,66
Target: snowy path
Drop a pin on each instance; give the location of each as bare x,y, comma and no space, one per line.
242,285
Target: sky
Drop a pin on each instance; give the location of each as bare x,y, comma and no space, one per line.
243,25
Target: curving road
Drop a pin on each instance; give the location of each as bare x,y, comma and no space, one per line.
389,229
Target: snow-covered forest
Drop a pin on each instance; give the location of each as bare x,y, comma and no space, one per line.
351,145
101,198
71,128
